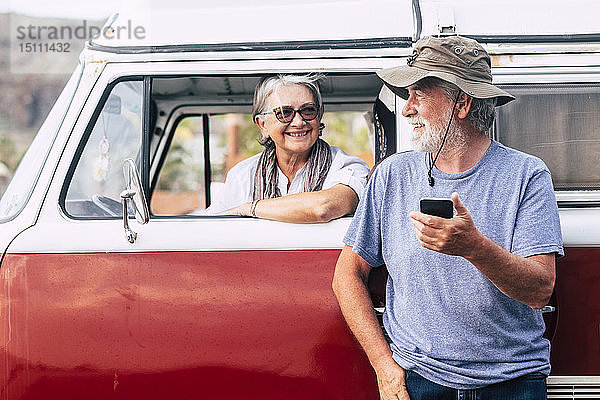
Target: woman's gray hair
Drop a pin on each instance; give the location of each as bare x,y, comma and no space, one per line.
319,160
271,84
482,112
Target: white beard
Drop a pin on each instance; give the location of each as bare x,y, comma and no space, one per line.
431,139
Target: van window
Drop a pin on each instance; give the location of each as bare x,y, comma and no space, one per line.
232,137
561,125
199,127
98,180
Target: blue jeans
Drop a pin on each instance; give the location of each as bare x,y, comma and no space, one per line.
528,387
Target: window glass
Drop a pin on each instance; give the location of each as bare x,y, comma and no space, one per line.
26,175
180,186
561,125
98,179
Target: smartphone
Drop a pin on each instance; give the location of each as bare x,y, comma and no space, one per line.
438,207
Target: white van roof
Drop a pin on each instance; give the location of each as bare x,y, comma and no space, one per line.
153,24
181,22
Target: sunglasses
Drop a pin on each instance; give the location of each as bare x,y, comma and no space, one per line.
286,114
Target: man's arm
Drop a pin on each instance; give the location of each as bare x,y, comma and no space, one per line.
307,207
529,280
350,287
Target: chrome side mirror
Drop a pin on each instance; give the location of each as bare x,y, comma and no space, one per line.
135,194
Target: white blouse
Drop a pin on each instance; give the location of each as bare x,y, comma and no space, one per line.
239,184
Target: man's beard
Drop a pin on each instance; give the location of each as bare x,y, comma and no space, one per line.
431,140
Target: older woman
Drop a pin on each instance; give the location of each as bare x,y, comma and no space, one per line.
298,177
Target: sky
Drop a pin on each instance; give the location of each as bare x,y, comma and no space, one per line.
62,8
85,9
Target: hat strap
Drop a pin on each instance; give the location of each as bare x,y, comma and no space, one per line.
430,155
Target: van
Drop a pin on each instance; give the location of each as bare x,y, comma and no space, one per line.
113,284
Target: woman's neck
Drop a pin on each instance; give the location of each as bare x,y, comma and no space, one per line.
290,164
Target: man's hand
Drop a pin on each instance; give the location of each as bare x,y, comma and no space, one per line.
456,236
390,379
529,280
350,287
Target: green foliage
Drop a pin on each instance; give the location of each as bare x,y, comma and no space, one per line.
249,135
184,167
348,131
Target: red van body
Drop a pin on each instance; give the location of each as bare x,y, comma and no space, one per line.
217,307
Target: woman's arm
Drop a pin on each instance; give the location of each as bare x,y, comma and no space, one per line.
304,208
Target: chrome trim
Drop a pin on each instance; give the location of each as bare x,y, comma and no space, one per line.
573,387
582,196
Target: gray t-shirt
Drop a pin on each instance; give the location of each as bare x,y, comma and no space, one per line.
446,320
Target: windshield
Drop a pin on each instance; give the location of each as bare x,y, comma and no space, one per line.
19,189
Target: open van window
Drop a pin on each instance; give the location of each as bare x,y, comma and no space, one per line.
199,128
181,187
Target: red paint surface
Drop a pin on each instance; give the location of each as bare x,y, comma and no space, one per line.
210,325
576,341
216,325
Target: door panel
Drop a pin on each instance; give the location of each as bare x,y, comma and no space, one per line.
576,343
222,325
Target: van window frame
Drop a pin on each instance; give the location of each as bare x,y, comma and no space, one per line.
86,136
566,198
146,166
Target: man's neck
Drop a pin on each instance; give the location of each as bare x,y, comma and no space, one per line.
454,161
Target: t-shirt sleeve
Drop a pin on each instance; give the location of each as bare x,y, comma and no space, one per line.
364,232
348,170
537,226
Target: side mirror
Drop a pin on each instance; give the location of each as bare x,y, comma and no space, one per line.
135,194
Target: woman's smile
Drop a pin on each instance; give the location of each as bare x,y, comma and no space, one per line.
298,134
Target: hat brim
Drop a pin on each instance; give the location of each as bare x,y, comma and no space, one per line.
397,79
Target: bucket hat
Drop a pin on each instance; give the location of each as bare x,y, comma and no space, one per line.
455,59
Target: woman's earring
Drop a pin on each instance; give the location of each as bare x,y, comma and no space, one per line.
321,127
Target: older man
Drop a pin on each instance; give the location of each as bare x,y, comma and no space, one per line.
462,317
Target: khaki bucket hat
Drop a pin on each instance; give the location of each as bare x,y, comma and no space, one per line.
455,59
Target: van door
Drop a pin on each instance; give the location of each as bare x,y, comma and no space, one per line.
211,307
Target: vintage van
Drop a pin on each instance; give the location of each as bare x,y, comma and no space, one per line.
180,305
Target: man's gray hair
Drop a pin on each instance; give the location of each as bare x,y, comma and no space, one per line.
482,112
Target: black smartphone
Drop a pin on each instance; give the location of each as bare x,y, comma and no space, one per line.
438,207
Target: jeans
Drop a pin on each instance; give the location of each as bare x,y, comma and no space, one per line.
528,387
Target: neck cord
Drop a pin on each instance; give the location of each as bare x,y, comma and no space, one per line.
430,155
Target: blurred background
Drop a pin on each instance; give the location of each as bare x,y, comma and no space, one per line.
31,79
